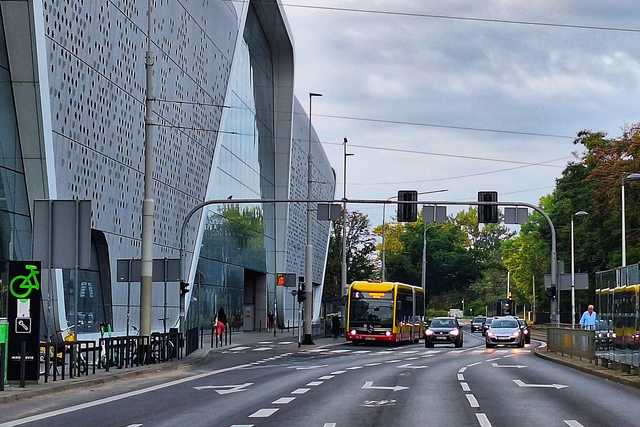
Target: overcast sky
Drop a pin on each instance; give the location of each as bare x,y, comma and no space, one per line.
471,74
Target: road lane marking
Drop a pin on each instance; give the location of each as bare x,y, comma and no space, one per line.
306,368
262,349
265,342
495,365
329,425
134,425
332,373
315,383
353,368
238,348
460,377
392,361
457,351
264,413
242,425
521,383
483,420
368,385
473,364
340,351
432,351
300,391
573,423
225,389
472,400
461,370
362,352
465,387
410,352
373,364
493,359
410,366
285,342
326,377
105,400
412,358
283,400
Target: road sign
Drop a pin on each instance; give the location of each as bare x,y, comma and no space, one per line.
407,212
582,281
488,214
23,325
516,215
164,270
329,211
23,307
434,214
368,385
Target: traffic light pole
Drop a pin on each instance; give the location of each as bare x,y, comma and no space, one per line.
554,263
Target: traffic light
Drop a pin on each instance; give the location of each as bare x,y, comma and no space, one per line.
302,296
184,288
407,212
551,292
488,214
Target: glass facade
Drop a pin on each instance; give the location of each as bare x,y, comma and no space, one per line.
15,223
237,263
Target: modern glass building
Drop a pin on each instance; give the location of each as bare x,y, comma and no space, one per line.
228,127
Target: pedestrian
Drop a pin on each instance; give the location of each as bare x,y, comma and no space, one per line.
588,319
335,326
270,319
221,324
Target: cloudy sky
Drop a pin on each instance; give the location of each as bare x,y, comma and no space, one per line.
525,78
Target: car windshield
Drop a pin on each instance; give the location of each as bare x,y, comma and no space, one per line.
504,324
478,320
443,323
376,312
488,322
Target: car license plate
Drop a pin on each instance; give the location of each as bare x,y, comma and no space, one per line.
504,338
441,338
369,339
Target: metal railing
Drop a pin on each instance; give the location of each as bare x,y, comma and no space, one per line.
572,342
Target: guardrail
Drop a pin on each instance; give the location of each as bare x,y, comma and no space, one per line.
572,342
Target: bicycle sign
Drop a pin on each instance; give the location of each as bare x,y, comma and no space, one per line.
22,285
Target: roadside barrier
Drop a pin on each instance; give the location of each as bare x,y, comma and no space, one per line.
572,342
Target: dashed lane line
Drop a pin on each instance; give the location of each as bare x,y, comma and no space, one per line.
473,364
242,425
573,423
373,364
239,348
262,349
340,351
332,373
353,368
326,377
483,420
473,402
300,390
465,386
264,413
461,370
460,377
329,425
283,401
315,383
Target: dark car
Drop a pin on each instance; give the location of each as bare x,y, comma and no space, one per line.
443,330
525,330
486,325
477,323
504,331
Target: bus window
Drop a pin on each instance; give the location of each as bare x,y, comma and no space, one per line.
419,305
404,305
371,309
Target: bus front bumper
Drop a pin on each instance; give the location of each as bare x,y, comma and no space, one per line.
372,337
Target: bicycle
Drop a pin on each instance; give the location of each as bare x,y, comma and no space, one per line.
22,285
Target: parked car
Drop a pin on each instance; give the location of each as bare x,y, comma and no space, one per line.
443,330
524,327
478,323
504,331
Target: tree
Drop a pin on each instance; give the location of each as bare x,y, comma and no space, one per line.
361,260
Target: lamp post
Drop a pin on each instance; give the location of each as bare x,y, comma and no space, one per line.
573,271
634,177
343,273
308,257
384,229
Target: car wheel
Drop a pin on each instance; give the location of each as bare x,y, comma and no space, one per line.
490,345
428,344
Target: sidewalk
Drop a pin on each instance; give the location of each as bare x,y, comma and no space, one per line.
13,392
590,368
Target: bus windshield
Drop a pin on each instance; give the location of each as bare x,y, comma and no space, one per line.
371,309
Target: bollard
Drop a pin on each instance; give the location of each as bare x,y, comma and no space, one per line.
211,346
201,338
260,326
23,355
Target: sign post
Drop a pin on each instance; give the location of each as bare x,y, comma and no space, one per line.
24,320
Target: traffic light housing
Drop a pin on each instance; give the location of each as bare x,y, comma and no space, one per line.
302,296
407,212
184,288
488,214
551,292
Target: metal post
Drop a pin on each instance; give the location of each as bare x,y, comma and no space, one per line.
164,308
573,280
128,295
343,263
424,257
533,303
508,281
76,270
624,231
384,246
148,204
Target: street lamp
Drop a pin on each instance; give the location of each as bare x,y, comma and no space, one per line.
573,271
343,273
384,229
634,177
308,257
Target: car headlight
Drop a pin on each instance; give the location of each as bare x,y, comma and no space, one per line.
428,332
454,332
491,334
516,334
526,332
613,335
353,332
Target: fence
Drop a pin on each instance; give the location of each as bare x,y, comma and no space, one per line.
573,342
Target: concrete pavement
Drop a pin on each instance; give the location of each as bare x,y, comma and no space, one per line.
345,385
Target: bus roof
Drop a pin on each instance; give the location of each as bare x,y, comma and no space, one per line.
380,286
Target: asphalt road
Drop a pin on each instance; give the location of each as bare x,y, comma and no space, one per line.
341,385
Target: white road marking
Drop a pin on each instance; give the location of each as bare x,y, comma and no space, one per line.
300,391
283,400
483,420
412,358
265,342
465,387
472,400
262,349
134,425
428,355
329,425
473,364
410,366
316,350
495,365
326,377
495,358
285,342
315,383
264,413
306,368
521,383
353,368
340,351
460,377
457,351
242,425
461,370
238,348
332,373
79,407
432,351
573,423
368,385
373,364
225,389
410,352
392,361
362,352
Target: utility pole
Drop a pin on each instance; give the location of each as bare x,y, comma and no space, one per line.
424,257
148,204
533,303
308,258
343,275
508,281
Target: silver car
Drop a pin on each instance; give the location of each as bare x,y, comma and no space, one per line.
504,331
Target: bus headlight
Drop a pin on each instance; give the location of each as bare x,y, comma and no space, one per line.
388,333
353,332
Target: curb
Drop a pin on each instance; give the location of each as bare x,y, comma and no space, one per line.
597,373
